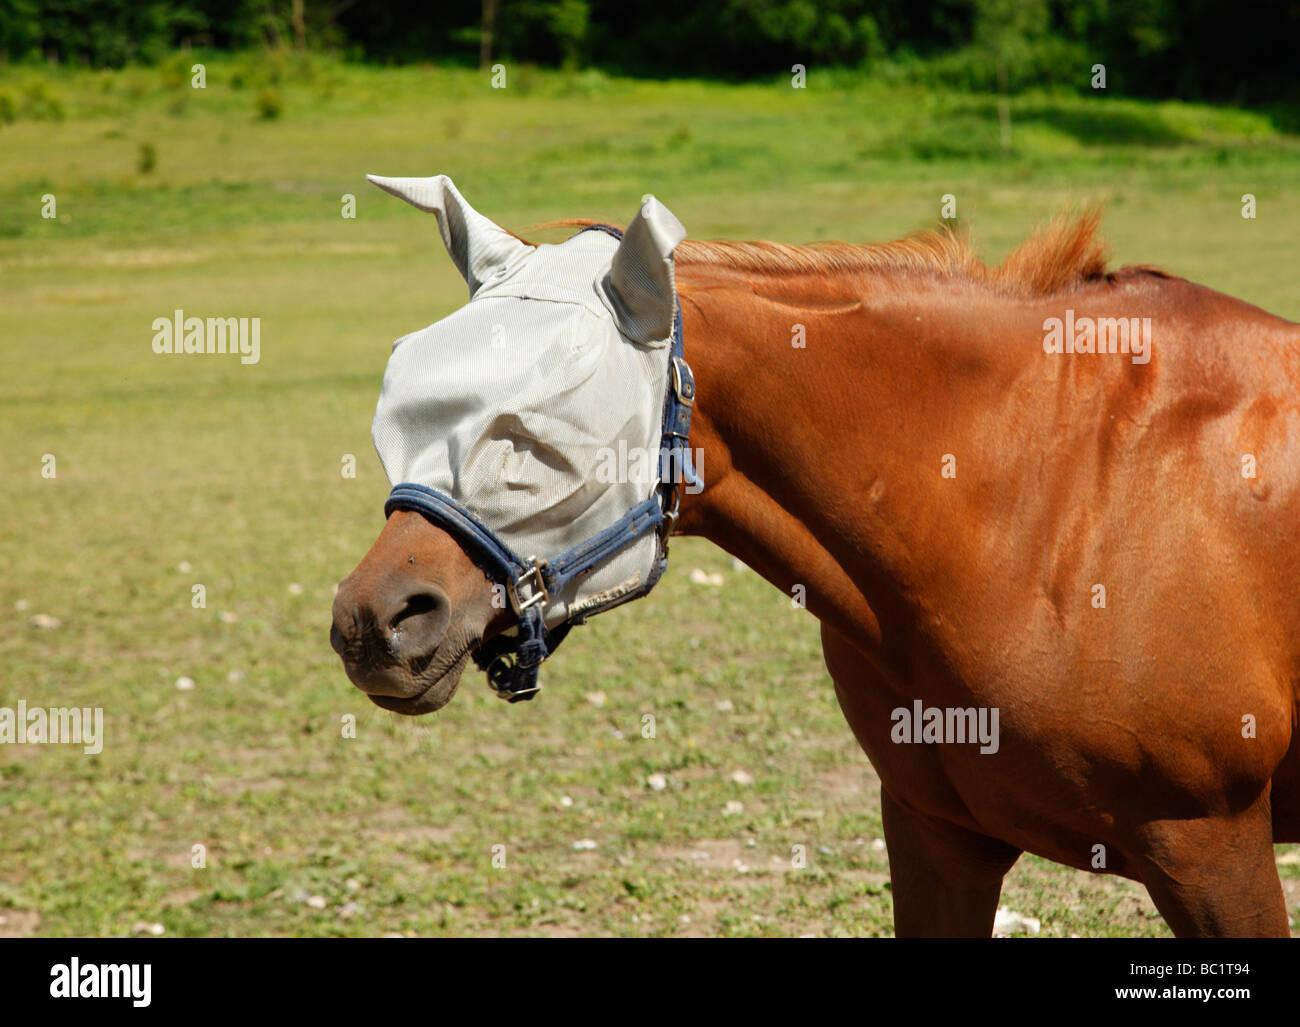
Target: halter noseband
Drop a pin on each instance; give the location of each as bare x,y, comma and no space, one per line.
512,658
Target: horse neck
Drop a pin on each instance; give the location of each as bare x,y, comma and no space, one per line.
825,409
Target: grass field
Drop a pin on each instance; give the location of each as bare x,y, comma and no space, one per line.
175,471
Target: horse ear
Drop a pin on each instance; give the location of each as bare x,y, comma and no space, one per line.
478,246
641,274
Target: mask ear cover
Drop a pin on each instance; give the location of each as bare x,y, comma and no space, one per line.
641,281
478,246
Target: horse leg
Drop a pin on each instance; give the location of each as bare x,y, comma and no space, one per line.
1215,877
946,880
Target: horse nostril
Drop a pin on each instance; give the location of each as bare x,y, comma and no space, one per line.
419,623
345,623
418,605
393,621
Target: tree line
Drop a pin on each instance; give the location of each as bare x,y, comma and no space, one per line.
1185,49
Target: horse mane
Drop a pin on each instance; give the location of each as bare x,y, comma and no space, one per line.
1068,253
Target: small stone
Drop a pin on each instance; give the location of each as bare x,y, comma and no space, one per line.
348,909
702,577
742,777
732,808
584,844
1008,921
144,927
295,589
352,884
185,684
45,622
236,676
227,617
22,604
596,699
724,706
565,801
738,565
184,567
657,781
317,902
878,844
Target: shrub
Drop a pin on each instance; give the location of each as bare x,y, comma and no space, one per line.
39,102
269,105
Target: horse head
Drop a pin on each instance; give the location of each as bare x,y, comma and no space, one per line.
508,520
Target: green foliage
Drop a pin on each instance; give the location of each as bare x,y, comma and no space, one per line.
269,104
1050,62
41,103
175,71
1150,47
1005,29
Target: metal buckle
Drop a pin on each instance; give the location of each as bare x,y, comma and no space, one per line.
683,381
536,585
499,672
670,515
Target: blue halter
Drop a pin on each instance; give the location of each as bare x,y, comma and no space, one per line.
512,658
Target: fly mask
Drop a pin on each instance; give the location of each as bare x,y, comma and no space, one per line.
544,424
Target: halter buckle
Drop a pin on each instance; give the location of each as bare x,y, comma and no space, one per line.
537,593
500,674
670,514
683,381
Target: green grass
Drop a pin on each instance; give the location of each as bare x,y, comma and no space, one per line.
234,470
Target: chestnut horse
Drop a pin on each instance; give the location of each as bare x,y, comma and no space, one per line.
988,512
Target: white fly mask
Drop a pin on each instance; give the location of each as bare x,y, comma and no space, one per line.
530,421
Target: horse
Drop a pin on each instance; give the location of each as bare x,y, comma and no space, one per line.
1092,544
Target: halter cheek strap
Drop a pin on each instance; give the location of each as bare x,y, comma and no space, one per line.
512,658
